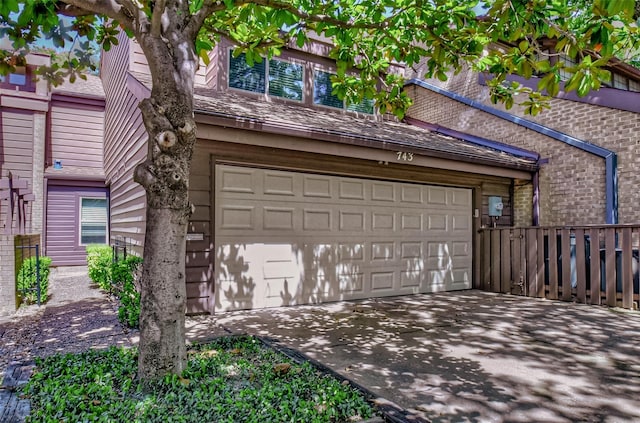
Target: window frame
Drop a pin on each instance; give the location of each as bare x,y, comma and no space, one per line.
80,221
266,77
345,107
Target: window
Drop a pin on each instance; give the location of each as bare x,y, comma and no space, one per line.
285,80
17,77
245,77
323,92
275,77
93,221
565,74
323,95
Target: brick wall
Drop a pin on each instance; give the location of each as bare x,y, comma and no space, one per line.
522,206
11,259
7,275
572,184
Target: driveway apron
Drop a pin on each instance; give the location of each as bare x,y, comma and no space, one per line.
467,356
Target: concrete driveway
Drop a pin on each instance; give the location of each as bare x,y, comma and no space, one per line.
467,356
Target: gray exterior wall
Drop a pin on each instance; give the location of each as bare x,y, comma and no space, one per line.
124,146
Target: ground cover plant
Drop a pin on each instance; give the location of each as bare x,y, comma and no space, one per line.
232,379
28,279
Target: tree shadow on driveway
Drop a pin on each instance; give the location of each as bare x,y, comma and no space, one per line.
467,356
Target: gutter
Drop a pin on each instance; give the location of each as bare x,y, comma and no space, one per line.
610,157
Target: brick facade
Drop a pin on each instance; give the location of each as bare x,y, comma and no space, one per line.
7,275
572,183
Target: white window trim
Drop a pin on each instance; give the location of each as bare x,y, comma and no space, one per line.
106,236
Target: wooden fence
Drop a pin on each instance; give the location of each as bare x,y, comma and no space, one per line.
591,264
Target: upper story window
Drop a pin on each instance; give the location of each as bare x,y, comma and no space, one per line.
17,77
323,95
274,77
617,80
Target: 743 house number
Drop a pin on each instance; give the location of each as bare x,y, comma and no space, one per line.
404,157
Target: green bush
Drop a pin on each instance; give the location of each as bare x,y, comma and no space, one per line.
27,280
124,287
99,258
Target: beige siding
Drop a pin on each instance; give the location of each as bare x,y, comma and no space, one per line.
77,135
125,147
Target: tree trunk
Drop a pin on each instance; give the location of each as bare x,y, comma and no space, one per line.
168,118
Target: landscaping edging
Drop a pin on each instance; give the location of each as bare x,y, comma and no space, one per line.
391,412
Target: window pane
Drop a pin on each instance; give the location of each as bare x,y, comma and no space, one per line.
285,80
322,92
568,63
365,106
93,221
245,77
619,82
634,86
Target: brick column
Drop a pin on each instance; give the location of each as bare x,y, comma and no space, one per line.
37,188
523,203
7,275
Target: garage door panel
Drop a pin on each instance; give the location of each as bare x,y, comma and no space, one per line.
296,238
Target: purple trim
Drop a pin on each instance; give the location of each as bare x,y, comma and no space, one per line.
79,98
484,142
605,97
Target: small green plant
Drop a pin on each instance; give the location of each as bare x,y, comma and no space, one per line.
233,379
28,279
124,287
99,258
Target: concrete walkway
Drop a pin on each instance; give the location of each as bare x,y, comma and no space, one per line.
77,317
467,356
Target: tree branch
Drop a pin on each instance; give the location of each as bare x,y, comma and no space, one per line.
113,9
156,19
197,20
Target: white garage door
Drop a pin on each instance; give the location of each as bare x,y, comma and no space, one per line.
287,238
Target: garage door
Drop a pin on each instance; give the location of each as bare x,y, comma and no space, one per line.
286,238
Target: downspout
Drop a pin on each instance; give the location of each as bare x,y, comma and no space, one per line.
610,157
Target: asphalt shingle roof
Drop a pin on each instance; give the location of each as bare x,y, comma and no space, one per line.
91,87
374,133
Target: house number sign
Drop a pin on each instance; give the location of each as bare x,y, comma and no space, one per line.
402,156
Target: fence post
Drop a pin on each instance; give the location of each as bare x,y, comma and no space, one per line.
38,290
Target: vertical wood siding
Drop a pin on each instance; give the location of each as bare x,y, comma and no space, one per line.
125,147
63,223
16,149
198,261
77,134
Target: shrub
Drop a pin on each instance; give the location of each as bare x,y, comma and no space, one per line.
27,279
123,274
99,258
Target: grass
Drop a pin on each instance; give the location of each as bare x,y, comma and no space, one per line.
233,379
